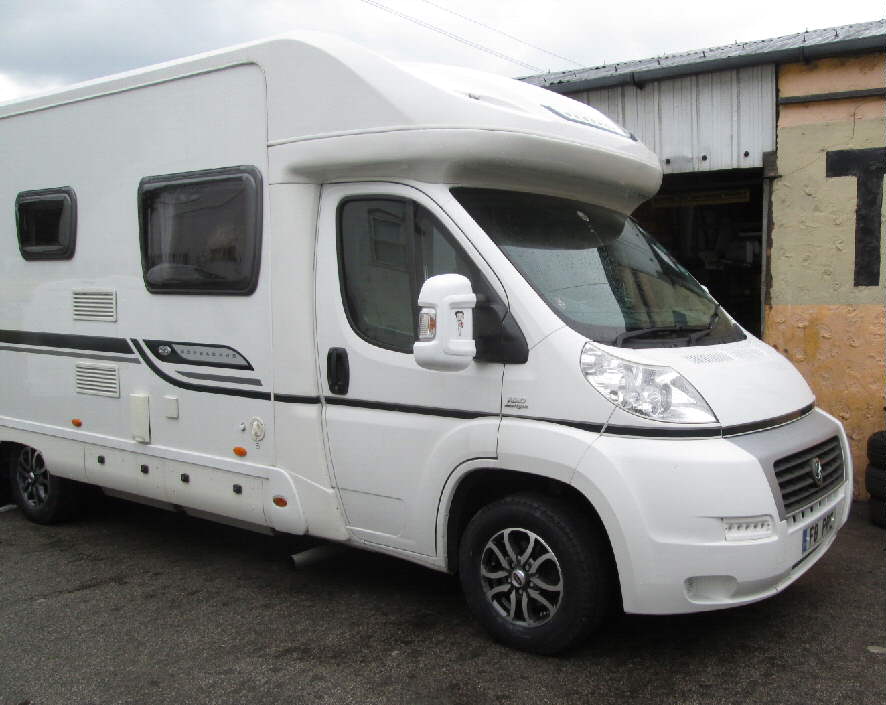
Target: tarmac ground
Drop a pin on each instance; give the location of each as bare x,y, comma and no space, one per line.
137,605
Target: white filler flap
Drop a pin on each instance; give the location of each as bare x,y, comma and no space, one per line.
140,417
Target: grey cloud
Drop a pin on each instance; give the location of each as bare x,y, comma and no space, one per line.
81,39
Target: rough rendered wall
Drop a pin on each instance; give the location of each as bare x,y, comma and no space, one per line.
828,262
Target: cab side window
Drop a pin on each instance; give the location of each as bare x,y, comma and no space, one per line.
376,270
387,248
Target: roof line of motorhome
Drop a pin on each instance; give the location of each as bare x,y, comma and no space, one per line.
36,103
803,46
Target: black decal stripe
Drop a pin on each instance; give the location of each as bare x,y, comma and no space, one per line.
408,408
296,399
181,384
767,423
176,358
64,340
221,378
581,425
61,353
248,393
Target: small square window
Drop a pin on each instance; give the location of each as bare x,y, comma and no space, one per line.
201,231
46,221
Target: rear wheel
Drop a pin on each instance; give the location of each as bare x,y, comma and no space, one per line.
42,497
5,489
536,572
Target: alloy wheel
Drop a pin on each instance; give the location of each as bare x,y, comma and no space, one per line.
32,477
521,577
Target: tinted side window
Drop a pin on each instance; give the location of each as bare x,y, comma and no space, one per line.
46,222
387,249
377,271
200,232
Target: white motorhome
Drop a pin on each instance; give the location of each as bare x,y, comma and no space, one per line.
296,286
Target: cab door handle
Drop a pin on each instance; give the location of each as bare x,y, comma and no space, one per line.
338,372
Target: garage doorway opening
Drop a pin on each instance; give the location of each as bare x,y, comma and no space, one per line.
714,224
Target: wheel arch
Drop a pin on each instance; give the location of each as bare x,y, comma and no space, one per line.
480,486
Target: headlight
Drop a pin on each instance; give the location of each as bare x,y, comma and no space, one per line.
658,393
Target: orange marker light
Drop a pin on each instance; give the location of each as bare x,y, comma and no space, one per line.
280,501
76,423
239,450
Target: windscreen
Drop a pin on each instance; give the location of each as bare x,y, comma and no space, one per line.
599,271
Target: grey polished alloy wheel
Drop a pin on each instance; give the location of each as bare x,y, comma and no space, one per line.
537,571
42,497
522,577
32,477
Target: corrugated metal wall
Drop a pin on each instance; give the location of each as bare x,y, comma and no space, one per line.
698,123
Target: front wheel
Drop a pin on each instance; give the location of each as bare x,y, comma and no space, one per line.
42,497
536,572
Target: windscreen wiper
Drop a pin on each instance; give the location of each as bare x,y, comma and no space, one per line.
637,332
715,316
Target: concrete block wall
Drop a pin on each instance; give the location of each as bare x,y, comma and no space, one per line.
827,295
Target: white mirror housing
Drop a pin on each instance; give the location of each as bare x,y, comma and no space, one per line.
446,324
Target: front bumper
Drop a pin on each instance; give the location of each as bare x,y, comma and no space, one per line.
699,524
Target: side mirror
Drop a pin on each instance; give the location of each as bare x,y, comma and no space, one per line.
446,324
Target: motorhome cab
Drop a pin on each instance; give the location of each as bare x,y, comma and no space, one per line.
296,286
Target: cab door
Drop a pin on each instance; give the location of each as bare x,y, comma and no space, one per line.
395,431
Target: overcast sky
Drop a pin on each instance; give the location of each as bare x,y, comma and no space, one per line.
48,43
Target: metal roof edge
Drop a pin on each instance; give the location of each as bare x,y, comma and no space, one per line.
777,56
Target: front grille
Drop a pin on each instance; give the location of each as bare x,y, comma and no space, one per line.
795,477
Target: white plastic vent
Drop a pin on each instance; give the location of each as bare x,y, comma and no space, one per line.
708,358
102,380
94,304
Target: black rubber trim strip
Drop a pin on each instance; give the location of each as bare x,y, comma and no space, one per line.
653,432
408,408
709,432
767,423
65,340
809,555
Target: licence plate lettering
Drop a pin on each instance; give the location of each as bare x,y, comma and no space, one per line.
815,533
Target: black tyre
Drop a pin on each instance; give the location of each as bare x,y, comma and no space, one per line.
536,573
878,511
875,481
5,490
877,449
42,497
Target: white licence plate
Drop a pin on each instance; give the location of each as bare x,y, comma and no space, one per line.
815,533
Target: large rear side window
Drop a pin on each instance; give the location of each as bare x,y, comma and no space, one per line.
200,232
